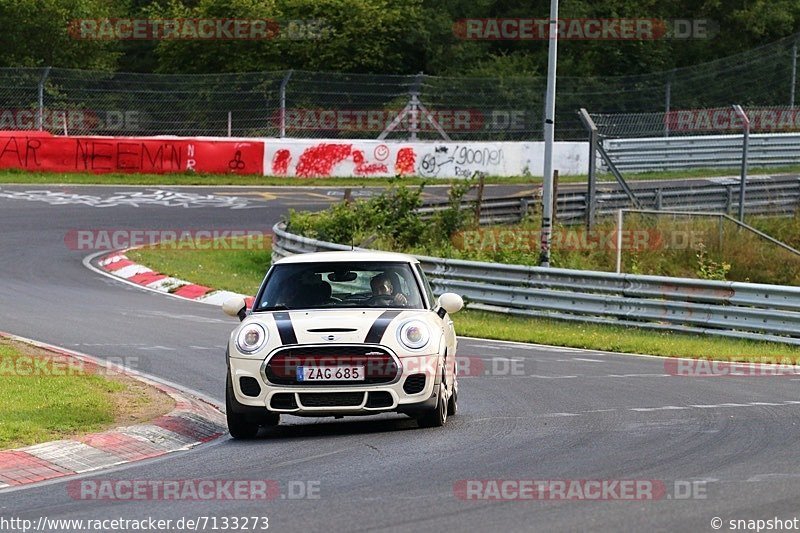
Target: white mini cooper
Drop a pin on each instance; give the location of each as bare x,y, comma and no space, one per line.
342,333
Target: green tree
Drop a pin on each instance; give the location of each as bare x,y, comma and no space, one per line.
355,36
36,33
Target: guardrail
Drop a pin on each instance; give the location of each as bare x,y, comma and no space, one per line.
779,195
702,151
730,309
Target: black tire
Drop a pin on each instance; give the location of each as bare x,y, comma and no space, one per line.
452,403
239,425
435,418
243,424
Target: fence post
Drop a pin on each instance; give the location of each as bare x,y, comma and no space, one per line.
668,102
230,122
284,83
414,95
589,124
794,74
40,111
745,143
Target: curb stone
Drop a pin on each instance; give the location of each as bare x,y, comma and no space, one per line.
192,422
118,265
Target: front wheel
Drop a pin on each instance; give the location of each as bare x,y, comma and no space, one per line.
245,425
239,425
436,417
452,403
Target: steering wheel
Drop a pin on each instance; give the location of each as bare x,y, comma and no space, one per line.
388,300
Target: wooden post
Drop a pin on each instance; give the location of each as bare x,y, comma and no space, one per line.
479,199
555,197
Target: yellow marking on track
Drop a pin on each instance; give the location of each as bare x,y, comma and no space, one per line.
268,196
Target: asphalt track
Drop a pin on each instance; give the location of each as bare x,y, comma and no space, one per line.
567,415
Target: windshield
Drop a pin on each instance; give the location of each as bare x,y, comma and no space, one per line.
339,285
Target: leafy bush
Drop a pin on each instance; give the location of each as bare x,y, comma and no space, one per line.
680,247
388,221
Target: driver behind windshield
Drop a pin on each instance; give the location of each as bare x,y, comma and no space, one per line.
383,292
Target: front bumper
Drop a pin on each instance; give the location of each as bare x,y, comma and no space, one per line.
339,400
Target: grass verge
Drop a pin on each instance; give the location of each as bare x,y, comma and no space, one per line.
46,396
216,266
618,339
242,271
13,176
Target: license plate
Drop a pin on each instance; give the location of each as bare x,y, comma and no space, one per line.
330,373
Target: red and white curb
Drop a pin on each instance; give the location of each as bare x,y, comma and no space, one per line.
192,422
120,266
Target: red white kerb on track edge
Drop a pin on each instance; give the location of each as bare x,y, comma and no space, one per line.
118,265
193,421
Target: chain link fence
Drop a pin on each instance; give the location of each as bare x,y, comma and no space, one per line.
334,105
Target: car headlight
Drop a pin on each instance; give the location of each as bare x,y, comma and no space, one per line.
251,338
414,334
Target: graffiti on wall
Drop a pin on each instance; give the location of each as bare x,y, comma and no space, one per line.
371,158
39,152
460,161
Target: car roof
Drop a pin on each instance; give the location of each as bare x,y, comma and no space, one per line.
360,256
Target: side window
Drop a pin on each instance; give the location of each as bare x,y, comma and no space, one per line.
425,285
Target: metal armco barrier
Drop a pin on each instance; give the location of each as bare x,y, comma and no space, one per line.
729,309
702,151
766,195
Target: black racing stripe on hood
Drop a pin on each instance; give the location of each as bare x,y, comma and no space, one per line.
285,328
375,333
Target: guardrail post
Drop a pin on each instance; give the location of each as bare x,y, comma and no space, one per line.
659,199
728,199
745,143
479,199
591,191
555,197
523,208
619,241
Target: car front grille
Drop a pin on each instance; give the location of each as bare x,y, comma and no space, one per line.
331,399
378,399
283,400
379,365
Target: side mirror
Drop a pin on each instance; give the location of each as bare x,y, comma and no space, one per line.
235,306
451,302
